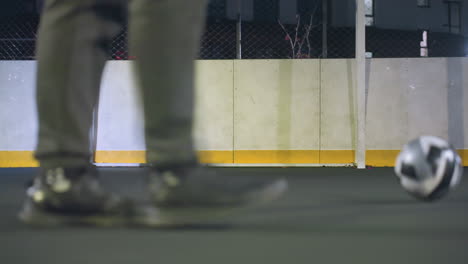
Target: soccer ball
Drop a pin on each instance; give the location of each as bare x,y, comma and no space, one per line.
428,168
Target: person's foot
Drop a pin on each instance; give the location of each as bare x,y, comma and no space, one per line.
72,196
194,194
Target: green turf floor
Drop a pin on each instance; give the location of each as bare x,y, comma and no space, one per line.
329,215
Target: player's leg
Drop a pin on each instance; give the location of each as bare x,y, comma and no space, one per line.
72,51
165,36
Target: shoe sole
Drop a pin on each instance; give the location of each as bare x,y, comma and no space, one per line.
153,217
38,218
187,216
148,216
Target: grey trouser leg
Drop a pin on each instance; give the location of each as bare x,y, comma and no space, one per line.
73,37
71,53
165,36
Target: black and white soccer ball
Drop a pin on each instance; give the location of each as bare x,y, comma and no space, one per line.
428,168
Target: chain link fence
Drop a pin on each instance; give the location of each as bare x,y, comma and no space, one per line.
119,47
219,40
18,25
254,29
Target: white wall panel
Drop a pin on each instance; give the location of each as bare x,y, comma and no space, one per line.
270,104
276,104
214,105
338,93
120,121
18,120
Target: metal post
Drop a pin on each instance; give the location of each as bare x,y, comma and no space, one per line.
324,29
360,153
449,16
239,30
93,135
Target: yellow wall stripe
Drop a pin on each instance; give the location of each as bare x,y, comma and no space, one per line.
139,156
120,156
216,156
14,159
377,158
381,158
464,156
276,156
336,156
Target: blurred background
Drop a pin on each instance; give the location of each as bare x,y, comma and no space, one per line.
299,109
258,29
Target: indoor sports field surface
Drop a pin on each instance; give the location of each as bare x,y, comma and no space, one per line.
329,215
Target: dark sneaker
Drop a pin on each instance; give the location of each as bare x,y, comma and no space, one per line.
203,187
72,196
187,195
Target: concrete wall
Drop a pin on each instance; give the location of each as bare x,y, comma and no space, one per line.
267,111
276,108
343,13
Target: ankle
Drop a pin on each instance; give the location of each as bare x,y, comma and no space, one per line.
176,166
71,173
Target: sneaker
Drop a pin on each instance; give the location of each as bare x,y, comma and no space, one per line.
190,195
72,196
